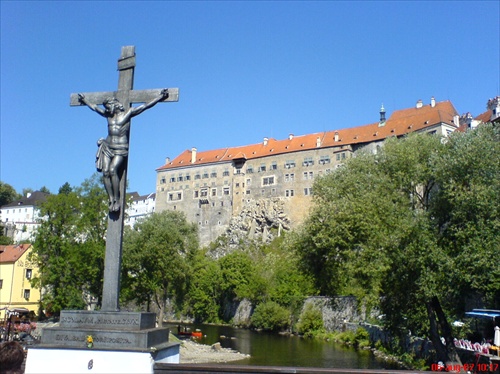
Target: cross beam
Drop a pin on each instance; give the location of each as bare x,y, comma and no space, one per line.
134,96
126,96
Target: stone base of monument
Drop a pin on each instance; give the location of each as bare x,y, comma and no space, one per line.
102,342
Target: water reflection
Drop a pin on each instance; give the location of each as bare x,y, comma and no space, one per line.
277,350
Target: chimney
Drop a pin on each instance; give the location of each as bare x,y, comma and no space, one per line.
420,104
290,136
382,116
265,141
318,142
193,155
167,160
336,138
456,120
433,102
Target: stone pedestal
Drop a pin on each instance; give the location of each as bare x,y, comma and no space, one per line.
122,342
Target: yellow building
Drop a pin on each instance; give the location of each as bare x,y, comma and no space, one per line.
15,274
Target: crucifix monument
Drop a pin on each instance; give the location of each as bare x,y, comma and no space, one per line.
113,154
109,340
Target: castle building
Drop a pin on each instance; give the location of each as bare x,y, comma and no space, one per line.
271,182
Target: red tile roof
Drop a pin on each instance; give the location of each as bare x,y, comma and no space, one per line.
485,117
12,253
401,122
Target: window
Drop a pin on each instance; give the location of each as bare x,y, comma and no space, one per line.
308,161
338,156
289,193
225,173
290,164
175,196
180,178
197,176
196,194
172,179
289,177
214,191
324,160
250,170
27,294
205,175
274,166
308,191
1,284
267,181
162,180
262,168
226,190
308,175
213,174
188,177
29,273
204,192
249,181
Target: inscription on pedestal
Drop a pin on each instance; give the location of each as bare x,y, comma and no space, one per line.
124,321
105,339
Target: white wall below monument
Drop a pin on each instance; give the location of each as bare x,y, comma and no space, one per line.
68,361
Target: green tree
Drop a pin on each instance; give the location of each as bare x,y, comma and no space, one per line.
65,189
240,278
69,247
7,194
157,257
44,189
204,292
398,224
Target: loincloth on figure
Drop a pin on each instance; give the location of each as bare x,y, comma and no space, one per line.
106,152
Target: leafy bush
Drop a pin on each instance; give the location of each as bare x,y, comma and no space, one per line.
361,338
270,316
310,320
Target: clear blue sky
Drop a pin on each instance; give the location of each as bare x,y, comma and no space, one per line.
245,70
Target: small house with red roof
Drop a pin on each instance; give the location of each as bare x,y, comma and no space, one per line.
16,272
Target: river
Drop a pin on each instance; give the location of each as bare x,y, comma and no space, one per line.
279,350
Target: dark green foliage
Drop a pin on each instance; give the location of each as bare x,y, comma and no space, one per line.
7,194
204,293
271,316
239,277
69,247
417,224
310,320
157,259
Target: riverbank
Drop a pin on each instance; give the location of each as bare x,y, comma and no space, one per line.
196,353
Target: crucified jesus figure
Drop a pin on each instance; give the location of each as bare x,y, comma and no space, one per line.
113,150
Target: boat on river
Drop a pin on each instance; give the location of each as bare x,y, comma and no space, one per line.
183,331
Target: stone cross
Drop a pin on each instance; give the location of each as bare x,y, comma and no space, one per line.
120,101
